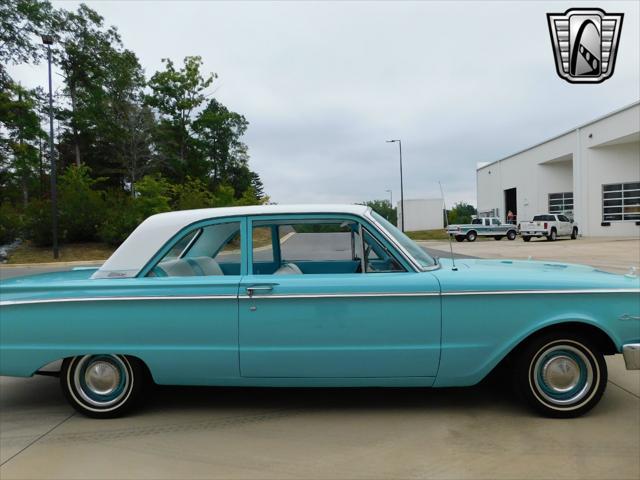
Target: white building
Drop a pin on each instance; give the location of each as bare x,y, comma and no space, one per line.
591,173
422,214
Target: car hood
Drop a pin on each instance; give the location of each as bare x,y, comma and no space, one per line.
509,275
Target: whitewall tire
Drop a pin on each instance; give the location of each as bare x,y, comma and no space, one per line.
561,375
102,386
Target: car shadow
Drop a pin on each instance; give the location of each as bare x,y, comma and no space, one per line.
492,394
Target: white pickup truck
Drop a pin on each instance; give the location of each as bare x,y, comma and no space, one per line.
550,226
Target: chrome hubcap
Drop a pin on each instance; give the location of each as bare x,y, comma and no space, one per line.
102,378
561,374
102,381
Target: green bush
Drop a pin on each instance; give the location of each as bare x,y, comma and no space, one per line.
124,213
37,225
11,223
192,194
82,208
119,220
153,195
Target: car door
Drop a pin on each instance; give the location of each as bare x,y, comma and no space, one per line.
564,227
327,313
190,324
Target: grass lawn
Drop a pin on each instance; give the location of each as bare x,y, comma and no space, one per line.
28,253
438,234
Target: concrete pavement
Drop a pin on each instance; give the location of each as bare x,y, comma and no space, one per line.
478,432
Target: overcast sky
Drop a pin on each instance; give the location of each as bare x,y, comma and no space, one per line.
324,84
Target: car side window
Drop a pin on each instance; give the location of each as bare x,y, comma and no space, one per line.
495,221
377,258
207,251
317,246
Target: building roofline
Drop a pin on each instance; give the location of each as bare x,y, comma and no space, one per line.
555,137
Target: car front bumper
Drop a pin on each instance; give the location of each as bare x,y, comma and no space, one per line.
631,354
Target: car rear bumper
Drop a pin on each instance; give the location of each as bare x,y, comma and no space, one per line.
534,234
631,354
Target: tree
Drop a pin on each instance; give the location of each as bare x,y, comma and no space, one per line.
461,213
21,21
20,133
385,209
258,187
176,94
103,84
217,133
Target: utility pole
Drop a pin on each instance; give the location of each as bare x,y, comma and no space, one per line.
48,41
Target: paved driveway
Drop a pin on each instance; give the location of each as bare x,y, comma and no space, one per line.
478,432
611,254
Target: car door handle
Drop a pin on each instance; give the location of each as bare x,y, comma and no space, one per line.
253,289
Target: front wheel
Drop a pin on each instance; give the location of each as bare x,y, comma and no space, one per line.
511,235
102,386
561,375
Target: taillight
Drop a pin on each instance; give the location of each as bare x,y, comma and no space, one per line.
545,225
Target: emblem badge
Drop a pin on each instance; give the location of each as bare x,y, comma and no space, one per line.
585,43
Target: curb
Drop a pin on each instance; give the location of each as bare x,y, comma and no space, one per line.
52,264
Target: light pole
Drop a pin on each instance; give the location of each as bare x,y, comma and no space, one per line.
48,41
390,192
399,142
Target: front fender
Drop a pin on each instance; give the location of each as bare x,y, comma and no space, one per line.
480,331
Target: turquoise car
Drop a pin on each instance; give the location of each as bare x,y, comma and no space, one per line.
313,296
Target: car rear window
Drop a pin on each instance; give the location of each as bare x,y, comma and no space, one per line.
544,218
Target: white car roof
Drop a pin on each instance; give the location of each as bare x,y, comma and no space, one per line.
136,251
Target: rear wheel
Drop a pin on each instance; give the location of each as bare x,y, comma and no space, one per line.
511,235
459,238
552,235
574,233
471,236
102,386
561,375
526,238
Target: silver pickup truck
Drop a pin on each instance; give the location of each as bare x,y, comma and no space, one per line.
483,227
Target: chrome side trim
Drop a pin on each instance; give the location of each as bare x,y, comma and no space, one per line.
114,299
342,295
323,295
541,292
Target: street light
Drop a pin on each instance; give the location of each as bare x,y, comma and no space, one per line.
390,192
399,142
48,41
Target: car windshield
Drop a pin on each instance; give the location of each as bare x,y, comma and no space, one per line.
418,254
